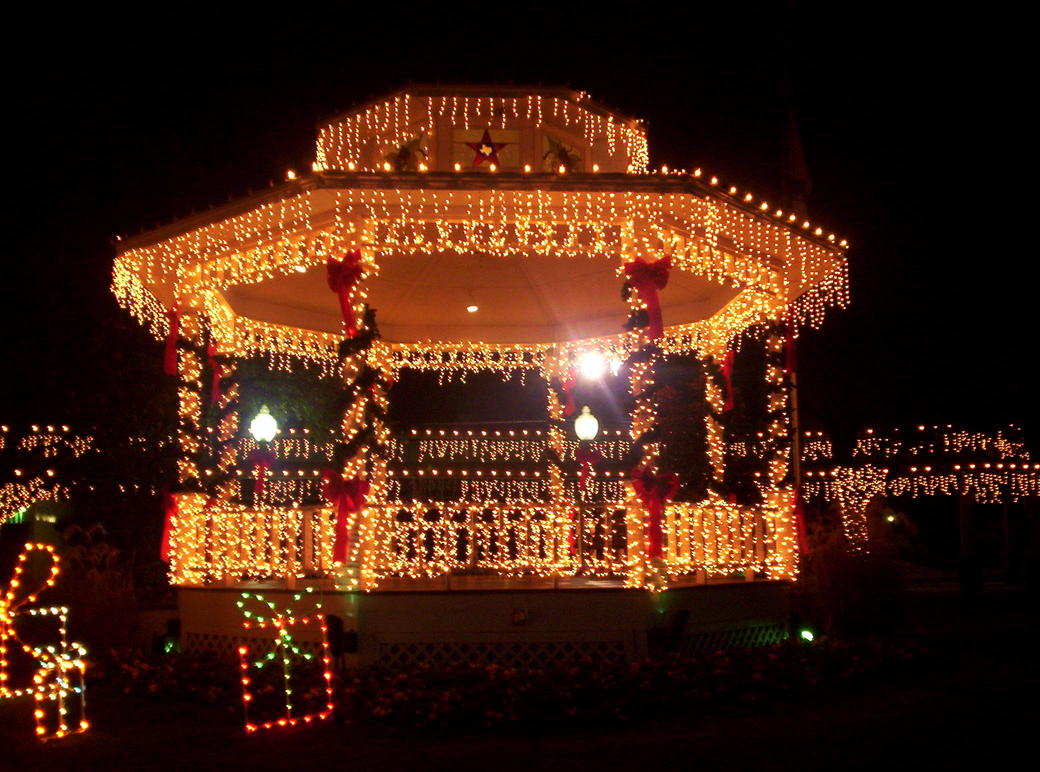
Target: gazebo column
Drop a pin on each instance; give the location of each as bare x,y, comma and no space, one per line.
779,492
641,420
554,371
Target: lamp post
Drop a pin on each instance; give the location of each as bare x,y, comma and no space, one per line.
263,427
586,426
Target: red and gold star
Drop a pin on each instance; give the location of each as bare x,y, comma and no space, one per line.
486,150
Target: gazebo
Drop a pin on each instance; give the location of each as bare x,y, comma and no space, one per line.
459,230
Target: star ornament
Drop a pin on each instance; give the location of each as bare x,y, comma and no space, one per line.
486,150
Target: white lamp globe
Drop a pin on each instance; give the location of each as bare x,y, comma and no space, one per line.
263,427
585,425
593,365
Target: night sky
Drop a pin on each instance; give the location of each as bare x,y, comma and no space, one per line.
121,123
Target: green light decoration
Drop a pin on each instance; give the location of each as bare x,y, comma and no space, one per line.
807,635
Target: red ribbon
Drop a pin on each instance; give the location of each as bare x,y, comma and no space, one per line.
567,384
262,460
169,512
727,373
587,459
348,496
173,320
214,365
648,278
343,275
799,521
790,353
654,490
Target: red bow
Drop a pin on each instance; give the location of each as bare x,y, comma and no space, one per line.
261,460
567,383
348,496
587,458
790,352
214,365
169,512
173,320
727,373
653,491
648,278
799,522
343,275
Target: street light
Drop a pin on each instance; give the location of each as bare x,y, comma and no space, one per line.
263,427
585,425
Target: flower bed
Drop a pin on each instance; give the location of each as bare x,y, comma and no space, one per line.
556,695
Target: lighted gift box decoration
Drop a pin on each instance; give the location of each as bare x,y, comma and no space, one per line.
280,659
57,667
503,230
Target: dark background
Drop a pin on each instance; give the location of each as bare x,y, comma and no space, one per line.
123,121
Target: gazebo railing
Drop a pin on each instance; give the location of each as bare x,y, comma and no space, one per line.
231,542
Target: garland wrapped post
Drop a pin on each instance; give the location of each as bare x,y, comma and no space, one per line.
644,569
224,423
361,454
778,492
557,369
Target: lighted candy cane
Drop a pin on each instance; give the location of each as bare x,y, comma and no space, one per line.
60,659
282,620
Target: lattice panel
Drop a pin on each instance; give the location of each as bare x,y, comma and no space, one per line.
747,636
531,653
226,646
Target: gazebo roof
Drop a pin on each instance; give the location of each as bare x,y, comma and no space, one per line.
538,250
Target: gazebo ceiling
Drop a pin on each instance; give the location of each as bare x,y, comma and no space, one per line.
519,299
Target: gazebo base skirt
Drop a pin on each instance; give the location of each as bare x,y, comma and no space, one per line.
533,624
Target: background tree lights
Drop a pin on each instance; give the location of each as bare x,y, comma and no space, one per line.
57,688
924,460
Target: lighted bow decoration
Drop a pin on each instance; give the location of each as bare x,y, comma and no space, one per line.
285,651
343,276
348,496
57,665
587,459
262,459
173,321
654,491
648,279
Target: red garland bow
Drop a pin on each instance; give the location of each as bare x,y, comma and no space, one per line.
587,459
648,278
790,352
572,540
343,275
173,320
348,496
799,521
261,460
567,384
169,512
654,490
214,365
727,373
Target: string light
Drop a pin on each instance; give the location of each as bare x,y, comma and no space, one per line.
58,682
